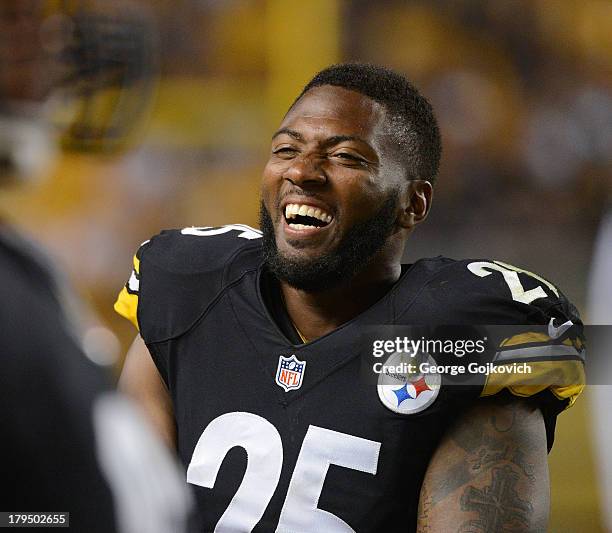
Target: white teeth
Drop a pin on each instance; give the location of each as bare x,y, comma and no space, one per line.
292,210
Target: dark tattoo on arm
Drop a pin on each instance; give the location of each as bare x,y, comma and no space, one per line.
485,462
505,423
494,451
485,451
498,505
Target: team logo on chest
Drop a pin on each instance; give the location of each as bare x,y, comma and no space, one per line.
407,391
290,372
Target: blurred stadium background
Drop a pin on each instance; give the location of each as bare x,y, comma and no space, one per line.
178,132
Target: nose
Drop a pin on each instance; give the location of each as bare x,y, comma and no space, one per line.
306,170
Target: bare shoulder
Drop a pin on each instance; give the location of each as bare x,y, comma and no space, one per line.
489,473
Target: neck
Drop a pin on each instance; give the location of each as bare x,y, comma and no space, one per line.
315,314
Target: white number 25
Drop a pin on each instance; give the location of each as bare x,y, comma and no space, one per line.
264,448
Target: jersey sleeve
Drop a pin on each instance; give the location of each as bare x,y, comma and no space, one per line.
547,338
554,364
535,345
127,301
177,274
540,354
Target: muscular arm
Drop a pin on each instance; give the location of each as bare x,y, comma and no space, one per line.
489,474
141,380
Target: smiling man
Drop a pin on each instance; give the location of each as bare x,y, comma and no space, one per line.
248,354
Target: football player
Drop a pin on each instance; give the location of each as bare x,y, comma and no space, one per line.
70,443
248,354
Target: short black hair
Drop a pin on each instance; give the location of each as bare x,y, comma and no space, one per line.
412,121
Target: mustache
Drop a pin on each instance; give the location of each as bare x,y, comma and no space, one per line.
295,192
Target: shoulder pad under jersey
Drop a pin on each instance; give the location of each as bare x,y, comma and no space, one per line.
179,273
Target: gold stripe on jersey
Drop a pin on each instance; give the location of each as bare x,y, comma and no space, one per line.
544,351
565,379
532,337
127,301
533,345
525,338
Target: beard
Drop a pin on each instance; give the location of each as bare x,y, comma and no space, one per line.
352,254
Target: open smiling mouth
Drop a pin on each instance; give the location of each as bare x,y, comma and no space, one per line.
306,217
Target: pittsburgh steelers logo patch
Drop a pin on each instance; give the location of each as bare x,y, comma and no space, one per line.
403,388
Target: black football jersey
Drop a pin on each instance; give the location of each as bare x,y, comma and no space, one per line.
284,436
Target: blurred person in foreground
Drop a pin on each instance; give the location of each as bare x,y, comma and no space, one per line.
70,443
249,340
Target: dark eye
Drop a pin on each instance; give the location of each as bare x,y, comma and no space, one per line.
284,151
349,157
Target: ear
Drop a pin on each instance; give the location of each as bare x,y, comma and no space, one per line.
418,197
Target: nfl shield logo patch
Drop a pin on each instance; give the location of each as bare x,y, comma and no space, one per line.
290,372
